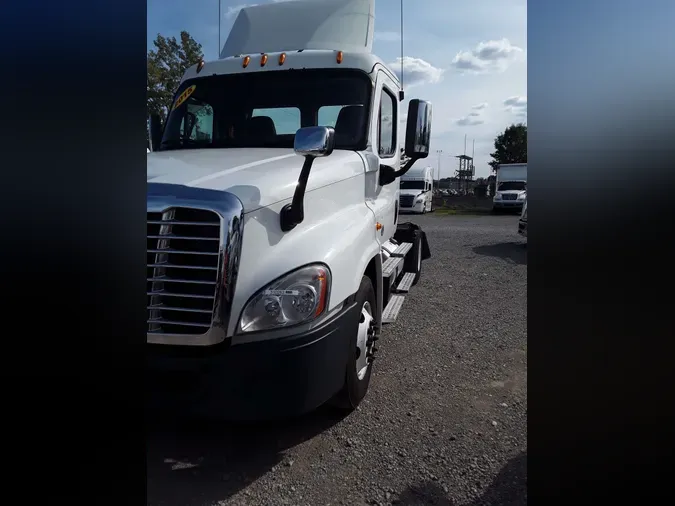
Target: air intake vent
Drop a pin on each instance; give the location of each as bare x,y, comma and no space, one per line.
183,265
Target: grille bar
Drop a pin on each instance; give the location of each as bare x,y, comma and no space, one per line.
187,223
187,296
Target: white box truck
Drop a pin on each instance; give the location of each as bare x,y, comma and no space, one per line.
417,190
510,187
275,252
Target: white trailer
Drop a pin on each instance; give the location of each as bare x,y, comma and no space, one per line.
275,254
417,190
510,187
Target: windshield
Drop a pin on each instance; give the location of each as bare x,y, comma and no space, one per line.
265,109
412,185
512,185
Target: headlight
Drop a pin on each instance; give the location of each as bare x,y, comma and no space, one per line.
419,199
497,196
522,197
298,297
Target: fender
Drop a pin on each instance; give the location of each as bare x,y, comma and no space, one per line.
341,236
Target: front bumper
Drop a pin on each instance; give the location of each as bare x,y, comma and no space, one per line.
508,204
416,208
263,380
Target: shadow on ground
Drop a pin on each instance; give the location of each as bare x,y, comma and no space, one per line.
509,488
194,462
515,252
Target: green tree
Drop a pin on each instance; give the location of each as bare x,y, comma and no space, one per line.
166,65
510,146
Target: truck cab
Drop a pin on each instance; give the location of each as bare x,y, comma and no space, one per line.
275,255
417,187
511,187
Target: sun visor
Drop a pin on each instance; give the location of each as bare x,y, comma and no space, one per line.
345,25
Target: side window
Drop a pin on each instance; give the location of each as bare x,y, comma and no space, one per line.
286,119
198,122
387,126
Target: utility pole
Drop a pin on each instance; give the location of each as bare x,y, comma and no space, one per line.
439,152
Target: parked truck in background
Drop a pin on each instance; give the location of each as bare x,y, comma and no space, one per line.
510,187
275,252
417,190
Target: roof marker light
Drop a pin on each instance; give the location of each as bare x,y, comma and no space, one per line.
263,60
339,57
200,66
282,58
247,60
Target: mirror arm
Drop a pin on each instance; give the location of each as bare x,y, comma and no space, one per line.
389,175
294,213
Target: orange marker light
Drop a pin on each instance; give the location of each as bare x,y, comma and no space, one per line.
247,60
378,226
339,57
200,66
282,58
322,295
263,60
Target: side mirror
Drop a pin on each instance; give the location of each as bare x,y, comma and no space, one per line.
316,141
310,142
417,140
418,129
155,132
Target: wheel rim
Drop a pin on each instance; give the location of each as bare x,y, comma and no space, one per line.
364,340
419,256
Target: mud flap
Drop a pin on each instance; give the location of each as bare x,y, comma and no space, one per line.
407,232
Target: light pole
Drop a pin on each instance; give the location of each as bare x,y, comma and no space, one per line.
439,152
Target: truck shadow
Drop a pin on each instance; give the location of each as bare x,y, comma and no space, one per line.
194,462
509,488
515,252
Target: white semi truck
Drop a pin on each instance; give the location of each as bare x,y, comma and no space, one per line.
510,186
275,252
417,190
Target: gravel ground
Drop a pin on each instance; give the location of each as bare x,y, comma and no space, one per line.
444,421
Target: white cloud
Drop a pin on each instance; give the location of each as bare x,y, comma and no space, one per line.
479,107
387,36
472,119
516,105
488,56
416,71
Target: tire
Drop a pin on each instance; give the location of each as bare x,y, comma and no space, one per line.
357,382
413,261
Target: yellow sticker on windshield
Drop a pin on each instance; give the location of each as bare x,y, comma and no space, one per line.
184,96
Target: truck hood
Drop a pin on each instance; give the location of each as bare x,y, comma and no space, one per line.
519,193
259,177
414,193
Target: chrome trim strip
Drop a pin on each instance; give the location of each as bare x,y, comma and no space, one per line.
161,198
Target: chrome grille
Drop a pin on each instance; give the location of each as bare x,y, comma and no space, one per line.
183,255
406,200
509,196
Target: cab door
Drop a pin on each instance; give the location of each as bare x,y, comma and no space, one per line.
384,140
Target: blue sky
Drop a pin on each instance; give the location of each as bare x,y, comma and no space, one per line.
468,58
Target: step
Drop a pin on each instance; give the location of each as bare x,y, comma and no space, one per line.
389,246
402,249
394,306
406,282
389,267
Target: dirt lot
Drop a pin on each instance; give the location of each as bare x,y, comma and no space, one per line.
444,421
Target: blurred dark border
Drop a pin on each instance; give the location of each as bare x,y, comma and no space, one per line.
600,189
73,225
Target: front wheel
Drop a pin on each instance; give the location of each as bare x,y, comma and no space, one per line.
361,352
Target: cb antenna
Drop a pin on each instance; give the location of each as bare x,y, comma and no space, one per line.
401,94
